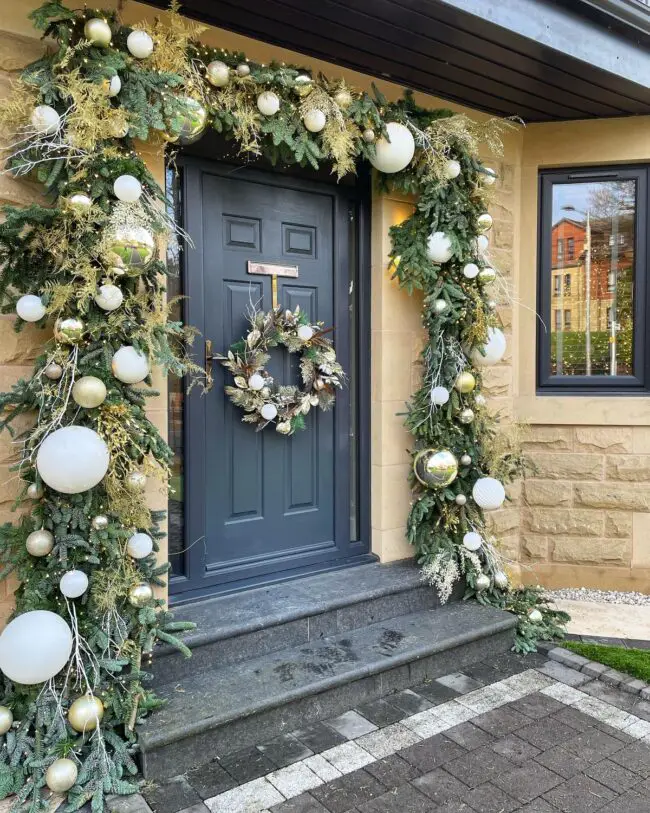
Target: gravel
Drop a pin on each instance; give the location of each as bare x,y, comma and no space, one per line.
599,596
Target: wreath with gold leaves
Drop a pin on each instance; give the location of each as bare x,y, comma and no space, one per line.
263,400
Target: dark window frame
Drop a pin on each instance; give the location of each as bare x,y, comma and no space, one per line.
639,382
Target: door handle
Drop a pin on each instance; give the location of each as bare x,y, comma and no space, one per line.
209,358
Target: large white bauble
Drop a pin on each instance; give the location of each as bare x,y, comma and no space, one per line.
72,459
89,391
34,647
98,31
491,352
139,545
129,366
140,44
109,297
256,382
269,412
268,103
305,332
439,248
452,169
45,119
30,308
39,543
394,153
470,270
217,73
61,775
114,86
127,188
314,120
73,584
472,541
488,493
439,396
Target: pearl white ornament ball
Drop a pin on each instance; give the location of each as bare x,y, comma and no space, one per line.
53,371
452,169
6,719
129,365
243,69
61,775
492,351
394,153
465,460
73,584
45,120
314,120
35,491
109,297
114,86
501,579
34,647
72,459
39,543
256,382
472,541
471,270
217,73
139,545
139,44
439,396
268,103
488,493
98,31
89,392
127,188
30,308
439,249
535,616
269,412
305,333
482,582
460,499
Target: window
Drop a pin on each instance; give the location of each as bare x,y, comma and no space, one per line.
596,221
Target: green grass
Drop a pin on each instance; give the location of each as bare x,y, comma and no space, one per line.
635,662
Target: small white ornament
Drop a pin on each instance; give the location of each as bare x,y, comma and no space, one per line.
471,270
6,719
139,545
217,73
243,69
109,297
79,202
98,31
73,584
39,543
53,371
394,153
305,333
129,366
501,579
139,44
452,169
72,459
45,120
35,491
460,499
488,493
465,460
480,400
439,396
369,135
269,412
268,103
472,541
314,120
439,248
492,352
482,243
488,176
482,582
127,188
34,647
440,306
114,86
30,308
256,382
535,617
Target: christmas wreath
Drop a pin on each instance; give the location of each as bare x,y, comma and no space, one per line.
254,389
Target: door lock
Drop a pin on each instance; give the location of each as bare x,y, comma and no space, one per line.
209,358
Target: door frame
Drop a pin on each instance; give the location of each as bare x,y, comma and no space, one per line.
352,204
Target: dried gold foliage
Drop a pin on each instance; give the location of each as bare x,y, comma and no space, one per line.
172,34
17,107
478,321
91,117
503,455
236,99
109,586
339,135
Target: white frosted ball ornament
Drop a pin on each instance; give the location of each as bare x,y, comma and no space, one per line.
127,188
268,103
269,412
73,584
34,647
72,459
460,499
109,297
470,270
305,333
452,169
114,85
439,249
130,366
489,493
501,580
98,31
535,617
393,154
314,120
217,73
493,351
482,582
30,308
139,44
139,545
439,396
45,120
472,541
256,382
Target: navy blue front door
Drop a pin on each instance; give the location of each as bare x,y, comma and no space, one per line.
259,505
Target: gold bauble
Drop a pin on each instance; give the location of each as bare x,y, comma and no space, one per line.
136,481
118,128
89,392
369,135
465,383
100,522
79,202
343,98
35,491
98,31
39,543
487,275
6,719
283,427
303,85
131,248
482,582
61,775
69,330
53,371
86,713
484,222
217,73
187,125
435,468
466,415
140,594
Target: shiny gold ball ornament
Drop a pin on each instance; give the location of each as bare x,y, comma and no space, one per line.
53,371
39,543
187,123
131,248
69,330
435,468
6,719
343,98
466,415
487,275
136,481
61,775
217,73
118,128
86,713
79,202
243,69
369,135
100,522
35,491
303,85
465,383
283,427
89,392
488,176
140,594
98,31
484,222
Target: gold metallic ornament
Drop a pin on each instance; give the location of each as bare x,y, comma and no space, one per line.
187,124
369,135
118,128
98,31
343,98
283,427
484,222
466,415
136,481
303,85
61,775
217,73
131,248
100,522
487,275
89,392
465,383
39,543
435,468
86,713
35,491
140,594
69,330
6,719
53,371
79,202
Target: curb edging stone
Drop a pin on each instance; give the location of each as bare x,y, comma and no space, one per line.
599,671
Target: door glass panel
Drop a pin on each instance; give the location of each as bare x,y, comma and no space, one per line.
592,278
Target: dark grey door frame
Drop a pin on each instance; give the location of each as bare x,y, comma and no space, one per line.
352,208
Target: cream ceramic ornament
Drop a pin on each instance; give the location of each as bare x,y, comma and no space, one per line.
269,412
439,396
256,382
472,541
98,31
127,188
439,248
305,332
268,103
34,647
53,371
493,351
45,120
130,366
217,73
109,297
30,308
314,120
72,459
394,153
139,44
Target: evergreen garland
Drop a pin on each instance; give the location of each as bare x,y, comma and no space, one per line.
62,252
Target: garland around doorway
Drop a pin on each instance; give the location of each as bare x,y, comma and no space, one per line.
85,260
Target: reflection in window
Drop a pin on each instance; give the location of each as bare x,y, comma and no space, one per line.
592,251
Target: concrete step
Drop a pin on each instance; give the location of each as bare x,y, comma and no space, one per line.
216,712
240,626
